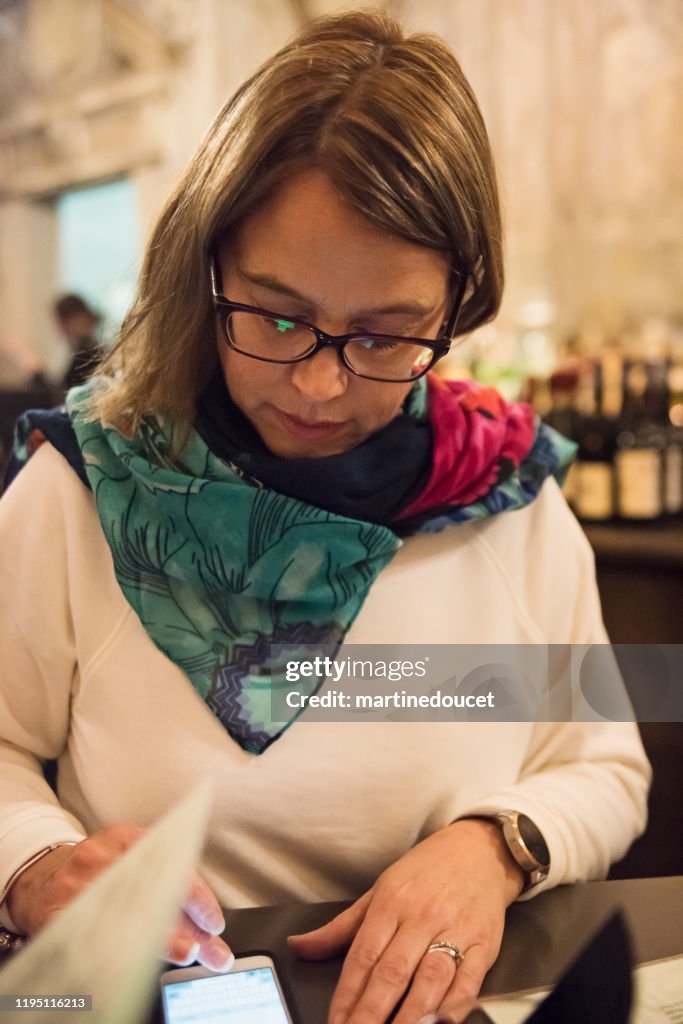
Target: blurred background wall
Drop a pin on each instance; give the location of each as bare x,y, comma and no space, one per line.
584,103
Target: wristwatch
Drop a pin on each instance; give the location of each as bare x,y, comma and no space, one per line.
525,842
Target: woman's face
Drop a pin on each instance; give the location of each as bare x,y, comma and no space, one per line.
308,255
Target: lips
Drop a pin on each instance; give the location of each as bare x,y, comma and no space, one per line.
308,428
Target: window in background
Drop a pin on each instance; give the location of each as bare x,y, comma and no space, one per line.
99,249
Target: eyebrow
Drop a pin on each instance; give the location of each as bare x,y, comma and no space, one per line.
416,309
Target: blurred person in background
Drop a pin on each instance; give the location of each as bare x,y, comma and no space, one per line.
265,459
78,324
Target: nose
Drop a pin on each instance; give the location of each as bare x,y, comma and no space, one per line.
320,378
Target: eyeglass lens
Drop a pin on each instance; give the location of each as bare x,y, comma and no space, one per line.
284,341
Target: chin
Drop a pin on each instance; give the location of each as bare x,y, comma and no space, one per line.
285,449
311,452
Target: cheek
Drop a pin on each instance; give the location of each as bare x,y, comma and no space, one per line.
249,382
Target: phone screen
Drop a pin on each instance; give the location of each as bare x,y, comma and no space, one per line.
245,997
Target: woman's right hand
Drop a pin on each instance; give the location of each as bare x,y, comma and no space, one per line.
57,878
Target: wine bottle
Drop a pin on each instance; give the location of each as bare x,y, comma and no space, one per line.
562,417
673,489
594,476
640,447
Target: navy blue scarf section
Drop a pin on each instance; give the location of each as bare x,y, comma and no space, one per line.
372,482
55,426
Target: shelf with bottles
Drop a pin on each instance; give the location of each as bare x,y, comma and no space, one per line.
619,397
623,405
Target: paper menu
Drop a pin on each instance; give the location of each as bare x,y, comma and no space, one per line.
658,997
513,1009
659,992
107,942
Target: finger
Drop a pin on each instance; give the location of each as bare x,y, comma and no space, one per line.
333,937
182,951
462,995
365,952
119,837
202,907
455,1014
92,855
432,980
190,943
391,978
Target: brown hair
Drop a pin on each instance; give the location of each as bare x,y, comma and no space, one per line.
391,120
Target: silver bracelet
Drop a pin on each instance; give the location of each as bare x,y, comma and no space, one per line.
29,863
11,943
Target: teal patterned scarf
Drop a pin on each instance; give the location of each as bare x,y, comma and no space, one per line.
230,575
219,571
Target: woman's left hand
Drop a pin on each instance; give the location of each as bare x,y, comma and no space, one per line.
455,885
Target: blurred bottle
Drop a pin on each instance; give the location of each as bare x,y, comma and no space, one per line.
640,448
593,486
658,405
673,472
676,395
673,491
562,416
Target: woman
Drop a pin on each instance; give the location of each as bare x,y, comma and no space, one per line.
262,459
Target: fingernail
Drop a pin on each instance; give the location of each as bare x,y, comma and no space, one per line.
218,926
212,922
187,951
217,956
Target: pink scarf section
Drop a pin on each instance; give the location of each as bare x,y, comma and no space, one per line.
478,437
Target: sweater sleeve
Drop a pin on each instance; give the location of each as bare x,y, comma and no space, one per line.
38,660
584,783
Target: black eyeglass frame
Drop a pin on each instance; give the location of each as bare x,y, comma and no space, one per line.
440,346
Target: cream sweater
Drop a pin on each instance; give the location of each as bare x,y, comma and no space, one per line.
328,806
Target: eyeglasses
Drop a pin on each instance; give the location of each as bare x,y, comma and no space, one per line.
273,338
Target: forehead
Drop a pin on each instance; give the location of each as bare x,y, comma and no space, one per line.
307,233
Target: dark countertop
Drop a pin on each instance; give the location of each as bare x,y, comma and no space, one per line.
542,936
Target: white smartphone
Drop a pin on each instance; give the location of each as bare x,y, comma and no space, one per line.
250,993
